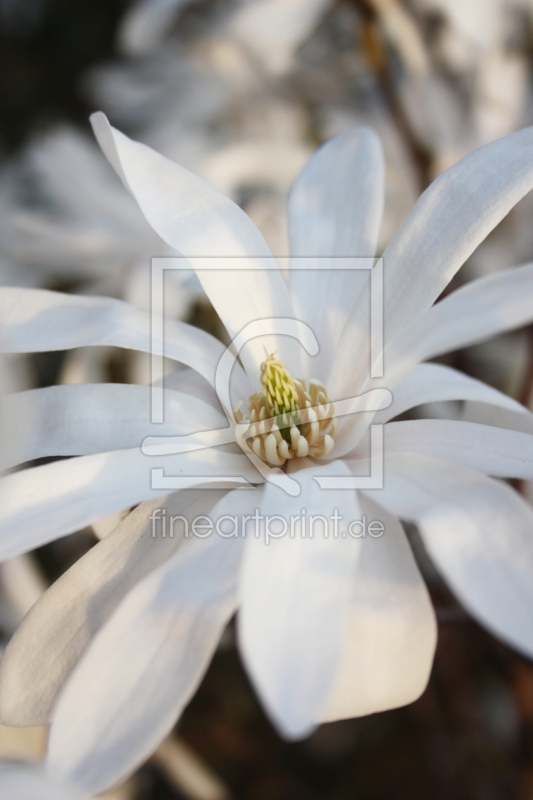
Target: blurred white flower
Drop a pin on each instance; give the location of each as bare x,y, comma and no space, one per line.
329,627
81,228
270,30
463,81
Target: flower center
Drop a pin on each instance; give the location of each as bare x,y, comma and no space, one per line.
288,419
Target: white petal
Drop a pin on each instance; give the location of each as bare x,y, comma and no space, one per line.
41,504
485,414
128,690
495,451
26,782
34,320
84,419
295,594
335,209
51,638
481,309
479,533
197,220
390,640
450,220
431,383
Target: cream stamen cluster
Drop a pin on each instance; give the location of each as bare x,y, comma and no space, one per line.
288,419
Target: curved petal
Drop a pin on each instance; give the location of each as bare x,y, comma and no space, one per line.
392,632
481,309
94,418
295,593
479,533
197,220
41,504
36,320
485,414
432,383
335,210
129,688
494,451
53,635
449,221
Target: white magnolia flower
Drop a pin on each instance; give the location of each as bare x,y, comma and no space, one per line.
329,626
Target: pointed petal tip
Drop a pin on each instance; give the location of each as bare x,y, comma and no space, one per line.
98,121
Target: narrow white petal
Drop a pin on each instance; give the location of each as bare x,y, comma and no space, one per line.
432,383
43,503
450,220
295,594
197,220
85,419
506,418
494,451
479,310
391,635
128,690
35,320
51,638
479,533
483,308
335,209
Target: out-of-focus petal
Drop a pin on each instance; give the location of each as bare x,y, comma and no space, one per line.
272,30
145,23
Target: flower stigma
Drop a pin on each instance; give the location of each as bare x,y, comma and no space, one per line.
288,418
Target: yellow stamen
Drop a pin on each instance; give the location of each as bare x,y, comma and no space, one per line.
288,419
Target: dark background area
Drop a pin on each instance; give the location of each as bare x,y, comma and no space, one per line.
45,47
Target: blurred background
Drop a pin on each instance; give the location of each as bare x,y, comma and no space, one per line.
241,92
